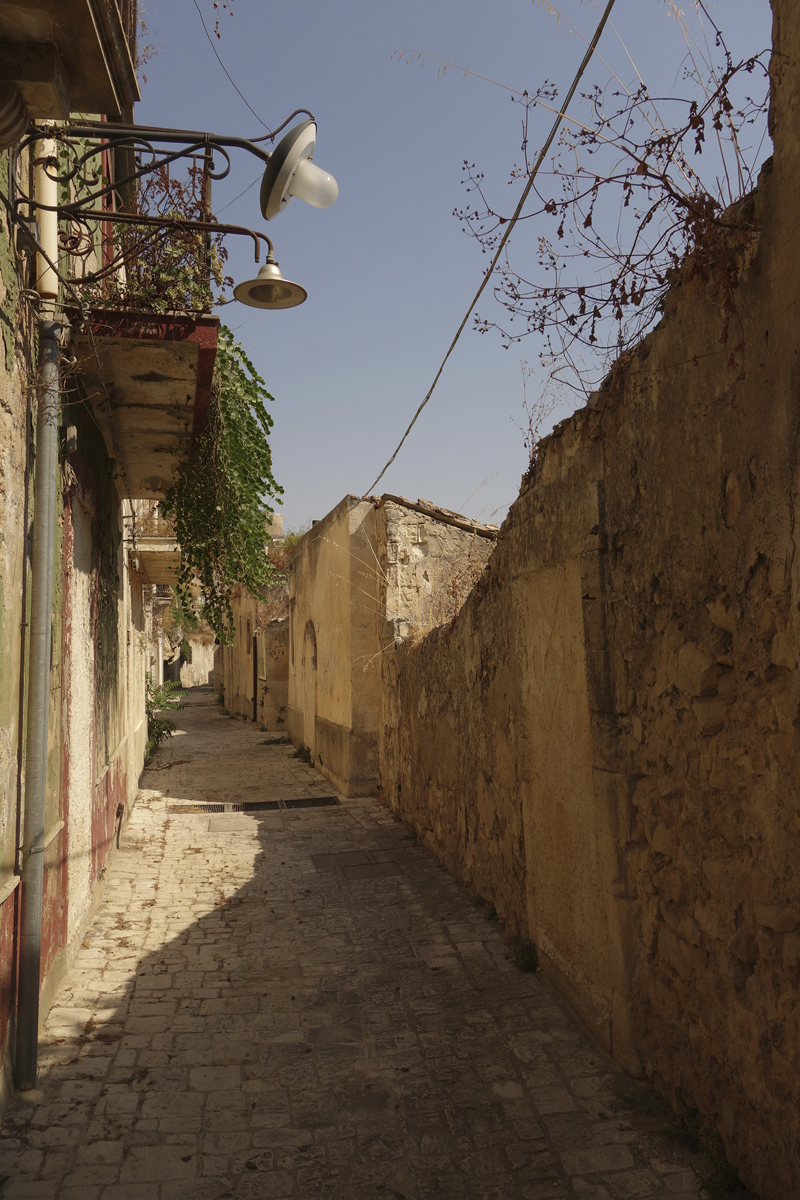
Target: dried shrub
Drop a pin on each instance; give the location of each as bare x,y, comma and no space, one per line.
640,188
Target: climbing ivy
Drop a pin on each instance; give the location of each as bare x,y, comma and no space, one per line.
220,504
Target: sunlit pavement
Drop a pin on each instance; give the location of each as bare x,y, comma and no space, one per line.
301,1003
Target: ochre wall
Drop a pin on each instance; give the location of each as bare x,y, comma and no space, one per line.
606,743
334,643
365,574
233,665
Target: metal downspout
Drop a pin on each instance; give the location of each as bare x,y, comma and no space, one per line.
44,513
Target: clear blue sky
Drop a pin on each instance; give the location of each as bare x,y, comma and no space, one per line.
388,271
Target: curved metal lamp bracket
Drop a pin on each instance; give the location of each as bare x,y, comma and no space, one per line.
150,147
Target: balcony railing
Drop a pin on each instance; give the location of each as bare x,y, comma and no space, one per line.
152,524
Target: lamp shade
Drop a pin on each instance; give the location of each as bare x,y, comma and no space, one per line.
290,172
269,289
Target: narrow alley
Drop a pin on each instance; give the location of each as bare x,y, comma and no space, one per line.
299,1002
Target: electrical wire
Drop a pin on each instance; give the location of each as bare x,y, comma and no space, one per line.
257,179
225,69
512,222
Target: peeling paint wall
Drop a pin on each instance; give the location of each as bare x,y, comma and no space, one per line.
606,743
16,513
97,728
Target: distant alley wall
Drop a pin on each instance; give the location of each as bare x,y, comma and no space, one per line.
606,743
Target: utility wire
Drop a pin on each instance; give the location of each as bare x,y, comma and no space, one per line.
512,222
225,69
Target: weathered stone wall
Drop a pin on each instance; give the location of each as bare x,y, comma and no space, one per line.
606,743
16,400
97,727
198,672
428,567
251,674
369,572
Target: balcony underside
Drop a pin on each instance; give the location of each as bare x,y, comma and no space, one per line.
159,559
148,379
93,45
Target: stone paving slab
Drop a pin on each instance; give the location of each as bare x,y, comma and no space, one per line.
307,1005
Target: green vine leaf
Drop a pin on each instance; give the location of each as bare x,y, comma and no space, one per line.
220,504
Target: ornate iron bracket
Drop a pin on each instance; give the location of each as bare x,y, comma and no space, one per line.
145,148
138,150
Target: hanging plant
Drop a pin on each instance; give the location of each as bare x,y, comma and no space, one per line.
220,504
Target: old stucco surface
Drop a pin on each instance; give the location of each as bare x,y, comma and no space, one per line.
251,675
333,646
606,743
368,573
97,728
15,514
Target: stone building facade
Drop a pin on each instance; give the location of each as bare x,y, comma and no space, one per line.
251,675
108,457
606,743
371,571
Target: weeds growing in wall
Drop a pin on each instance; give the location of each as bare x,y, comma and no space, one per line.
639,186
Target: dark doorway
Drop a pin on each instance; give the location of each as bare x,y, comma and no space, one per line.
255,677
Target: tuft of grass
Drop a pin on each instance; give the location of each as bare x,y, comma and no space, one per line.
491,914
278,741
526,957
304,754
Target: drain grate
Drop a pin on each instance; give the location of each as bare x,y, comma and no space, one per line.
312,802
255,806
195,808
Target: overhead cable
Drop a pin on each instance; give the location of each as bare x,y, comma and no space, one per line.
512,222
225,69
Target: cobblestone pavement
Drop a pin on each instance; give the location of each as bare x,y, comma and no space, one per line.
301,1003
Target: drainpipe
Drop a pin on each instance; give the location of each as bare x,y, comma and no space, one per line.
44,514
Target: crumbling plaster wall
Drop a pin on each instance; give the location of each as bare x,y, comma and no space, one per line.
606,744
16,397
97,727
427,567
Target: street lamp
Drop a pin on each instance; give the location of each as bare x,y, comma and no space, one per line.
269,289
289,172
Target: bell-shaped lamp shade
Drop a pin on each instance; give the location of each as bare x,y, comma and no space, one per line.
269,289
312,184
290,172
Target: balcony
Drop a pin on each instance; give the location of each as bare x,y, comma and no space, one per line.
155,549
71,56
148,379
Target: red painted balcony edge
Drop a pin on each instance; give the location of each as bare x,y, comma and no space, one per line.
203,331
